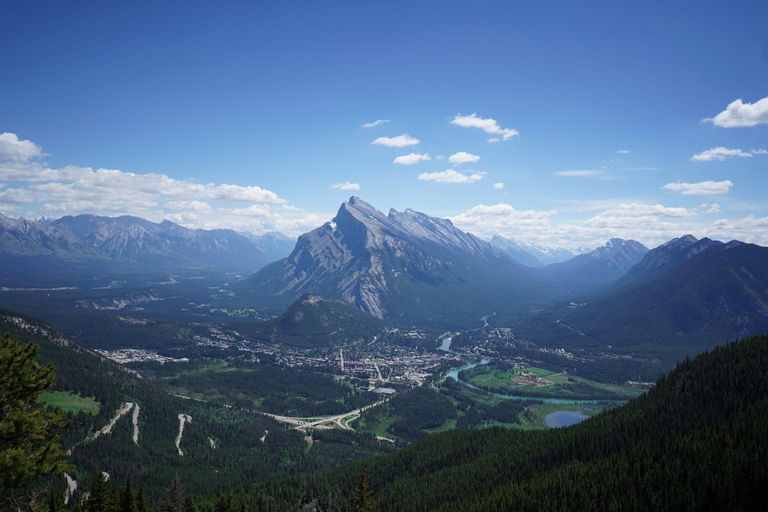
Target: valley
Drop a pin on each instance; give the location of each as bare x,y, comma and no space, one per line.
213,376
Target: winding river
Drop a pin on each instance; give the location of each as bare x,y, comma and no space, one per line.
454,374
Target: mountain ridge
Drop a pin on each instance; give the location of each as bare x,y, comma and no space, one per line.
390,265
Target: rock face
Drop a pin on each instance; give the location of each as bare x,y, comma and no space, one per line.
598,267
399,265
23,238
90,245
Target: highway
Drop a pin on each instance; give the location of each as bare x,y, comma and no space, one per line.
339,421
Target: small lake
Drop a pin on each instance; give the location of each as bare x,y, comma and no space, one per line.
445,346
559,419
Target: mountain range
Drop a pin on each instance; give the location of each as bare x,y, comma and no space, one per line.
533,255
404,266
132,240
598,267
687,295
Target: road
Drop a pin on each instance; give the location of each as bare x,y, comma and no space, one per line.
339,421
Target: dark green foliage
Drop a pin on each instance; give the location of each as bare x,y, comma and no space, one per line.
239,456
102,496
174,497
696,441
415,410
29,443
128,498
315,321
280,390
362,497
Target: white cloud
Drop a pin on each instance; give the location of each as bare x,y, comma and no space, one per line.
645,210
16,196
719,153
709,208
11,148
412,158
400,141
346,186
704,188
375,123
580,173
498,186
739,114
651,224
255,210
623,152
84,180
74,190
748,229
759,152
462,157
504,219
188,206
487,125
451,176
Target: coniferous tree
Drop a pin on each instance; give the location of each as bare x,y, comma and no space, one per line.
128,498
141,501
101,496
362,497
174,497
225,503
29,445
189,504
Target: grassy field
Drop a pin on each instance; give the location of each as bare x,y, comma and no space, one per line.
70,402
562,384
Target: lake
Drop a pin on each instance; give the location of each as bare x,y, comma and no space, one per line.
564,418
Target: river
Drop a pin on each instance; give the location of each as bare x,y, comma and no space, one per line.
454,374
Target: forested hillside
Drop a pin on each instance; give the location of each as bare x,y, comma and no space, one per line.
221,447
697,441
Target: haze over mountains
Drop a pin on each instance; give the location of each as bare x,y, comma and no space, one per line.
531,254
128,239
410,268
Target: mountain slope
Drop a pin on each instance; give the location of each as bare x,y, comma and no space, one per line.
696,441
167,243
715,295
24,238
663,258
406,267
597,267
317,321
221,447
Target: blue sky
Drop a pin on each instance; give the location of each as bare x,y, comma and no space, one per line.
245,115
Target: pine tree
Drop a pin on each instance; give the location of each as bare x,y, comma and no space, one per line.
29,446
189,504
174,497
141,501
101,496
128,498
362,497
225,504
